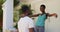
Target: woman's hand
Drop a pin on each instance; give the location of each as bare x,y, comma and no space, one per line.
55,15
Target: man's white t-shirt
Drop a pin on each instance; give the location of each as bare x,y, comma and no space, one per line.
25,23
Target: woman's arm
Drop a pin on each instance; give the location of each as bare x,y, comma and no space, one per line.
50,15
35,15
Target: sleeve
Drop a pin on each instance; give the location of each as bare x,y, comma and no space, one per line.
31,24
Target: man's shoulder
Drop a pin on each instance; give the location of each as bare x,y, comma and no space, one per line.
29,19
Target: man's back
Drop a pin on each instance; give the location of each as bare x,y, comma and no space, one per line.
25,23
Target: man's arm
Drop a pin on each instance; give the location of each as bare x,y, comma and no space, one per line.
50,15
31,25
31,29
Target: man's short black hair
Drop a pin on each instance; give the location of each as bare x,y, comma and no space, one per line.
43,6
24,8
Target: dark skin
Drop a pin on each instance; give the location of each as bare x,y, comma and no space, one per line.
42,9
31,29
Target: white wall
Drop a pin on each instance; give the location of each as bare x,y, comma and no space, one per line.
52,6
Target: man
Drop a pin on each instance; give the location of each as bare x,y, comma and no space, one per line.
25,24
